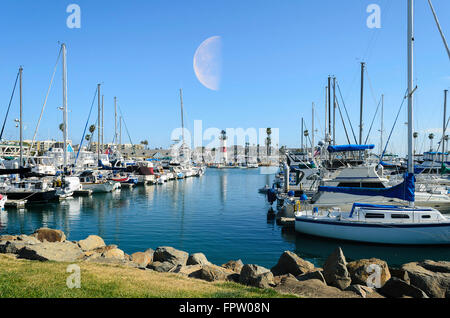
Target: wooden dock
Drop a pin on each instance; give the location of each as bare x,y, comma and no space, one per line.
82,193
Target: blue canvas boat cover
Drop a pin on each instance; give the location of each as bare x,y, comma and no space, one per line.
403,191
342,148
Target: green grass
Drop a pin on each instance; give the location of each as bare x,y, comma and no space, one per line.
34,279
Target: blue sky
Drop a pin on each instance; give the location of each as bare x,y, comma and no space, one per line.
276,59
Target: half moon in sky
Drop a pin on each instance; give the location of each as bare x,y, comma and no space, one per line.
208,62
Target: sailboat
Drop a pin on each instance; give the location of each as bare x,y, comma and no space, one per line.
385,224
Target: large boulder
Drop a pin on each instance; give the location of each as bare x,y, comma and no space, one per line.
290,263
13,243
430,276
114,253
170,255
91,243
400,274
235,266
162,267
142,259
212,273
312,275
186,270
335,270
56,251
312,288
361,270
257,276
397,288
197,259
49,235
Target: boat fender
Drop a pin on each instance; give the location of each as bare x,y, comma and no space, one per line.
297,206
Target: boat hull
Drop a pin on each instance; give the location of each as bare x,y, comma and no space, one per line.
42,196
402,234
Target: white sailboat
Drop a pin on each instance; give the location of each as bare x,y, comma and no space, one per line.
387,224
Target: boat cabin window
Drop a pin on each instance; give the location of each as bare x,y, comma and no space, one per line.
374,216
399,216
426,216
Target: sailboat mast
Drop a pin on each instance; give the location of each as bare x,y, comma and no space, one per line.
334,110
443,126
361,104
115,119
98,123
64,79
20,120
382,128
102,130
312,132
182,119
410,46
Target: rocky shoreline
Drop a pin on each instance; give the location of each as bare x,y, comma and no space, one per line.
291,275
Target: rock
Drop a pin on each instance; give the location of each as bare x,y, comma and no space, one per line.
91,243
7,237
312,288
162,267
56,251
335,270
400,273
250,275
104,249
431,277
290,263
362,269
170,255
212,273
357,289
11,247
235,266
49,235
186,270
397,288
265,280
142,259
27,239
114,253
197,259
312,275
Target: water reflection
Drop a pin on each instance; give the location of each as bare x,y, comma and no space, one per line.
220,214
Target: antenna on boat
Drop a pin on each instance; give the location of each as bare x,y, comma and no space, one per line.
361,104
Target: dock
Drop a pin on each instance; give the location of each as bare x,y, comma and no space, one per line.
82,193
15,203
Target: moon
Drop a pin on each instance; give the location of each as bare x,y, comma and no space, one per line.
208,62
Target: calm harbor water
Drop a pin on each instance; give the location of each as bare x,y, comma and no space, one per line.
220,214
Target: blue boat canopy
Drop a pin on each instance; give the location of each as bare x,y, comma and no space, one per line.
342,148
403,191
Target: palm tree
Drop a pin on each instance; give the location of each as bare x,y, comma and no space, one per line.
431,137
61,127
91,129
268,140
145,143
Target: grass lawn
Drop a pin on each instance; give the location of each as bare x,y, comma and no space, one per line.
24,278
